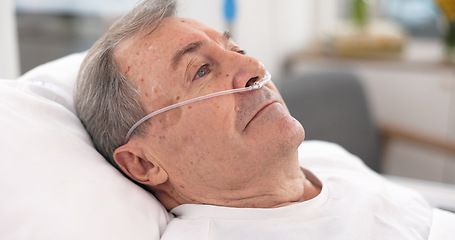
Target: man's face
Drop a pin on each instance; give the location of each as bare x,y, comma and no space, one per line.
225,142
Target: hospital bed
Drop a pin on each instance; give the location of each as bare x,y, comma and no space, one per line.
55,185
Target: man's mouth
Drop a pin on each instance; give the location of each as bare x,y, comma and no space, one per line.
252,106
260,111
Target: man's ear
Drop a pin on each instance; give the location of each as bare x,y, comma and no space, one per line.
138,168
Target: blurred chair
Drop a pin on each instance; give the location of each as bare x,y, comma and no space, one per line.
332,106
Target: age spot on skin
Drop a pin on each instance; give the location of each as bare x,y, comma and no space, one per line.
161,138
127,70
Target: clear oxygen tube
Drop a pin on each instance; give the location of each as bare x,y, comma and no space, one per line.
256,85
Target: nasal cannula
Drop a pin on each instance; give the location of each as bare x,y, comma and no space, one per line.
256,85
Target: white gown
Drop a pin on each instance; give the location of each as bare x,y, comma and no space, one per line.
354,203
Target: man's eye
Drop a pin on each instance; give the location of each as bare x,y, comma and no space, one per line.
241,52
238,50
202,71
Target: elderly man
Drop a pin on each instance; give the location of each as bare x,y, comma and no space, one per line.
227,166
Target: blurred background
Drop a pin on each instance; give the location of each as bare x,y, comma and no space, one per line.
399,51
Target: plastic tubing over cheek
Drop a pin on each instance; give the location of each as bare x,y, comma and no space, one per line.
256,85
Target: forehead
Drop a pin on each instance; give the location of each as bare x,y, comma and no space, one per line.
171,34
180,30
156,49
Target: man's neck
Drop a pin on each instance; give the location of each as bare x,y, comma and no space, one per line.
277,191
288,192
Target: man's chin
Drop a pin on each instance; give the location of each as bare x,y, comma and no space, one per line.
286,133
292,130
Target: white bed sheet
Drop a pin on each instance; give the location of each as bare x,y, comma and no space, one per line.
443,225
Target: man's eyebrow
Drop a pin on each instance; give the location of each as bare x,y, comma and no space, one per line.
187,49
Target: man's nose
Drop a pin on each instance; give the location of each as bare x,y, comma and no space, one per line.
246,70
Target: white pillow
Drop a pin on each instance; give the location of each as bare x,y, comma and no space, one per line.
53,183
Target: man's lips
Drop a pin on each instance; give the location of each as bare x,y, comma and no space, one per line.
259,111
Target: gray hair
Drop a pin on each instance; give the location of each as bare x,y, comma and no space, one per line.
106,102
